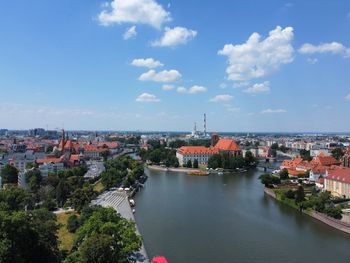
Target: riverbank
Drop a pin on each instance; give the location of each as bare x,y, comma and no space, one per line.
334,223
171,169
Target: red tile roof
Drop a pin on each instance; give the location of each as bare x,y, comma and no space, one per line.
326,160
197,150
110,145
227,145
341,175
48,160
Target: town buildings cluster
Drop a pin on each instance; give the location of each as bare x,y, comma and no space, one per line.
51,152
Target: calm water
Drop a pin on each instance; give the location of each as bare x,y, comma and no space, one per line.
226,219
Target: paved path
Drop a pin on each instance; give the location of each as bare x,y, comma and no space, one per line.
118,200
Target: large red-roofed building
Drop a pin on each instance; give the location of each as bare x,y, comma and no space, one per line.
337,181
202,153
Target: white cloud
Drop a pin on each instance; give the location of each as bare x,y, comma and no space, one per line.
273,111
168,87
223,85
333,48
175,36
146,62
134,11
238,85
258,57
162,76
259,88
192,90
130,33
312,61
146,97
221,98
347,97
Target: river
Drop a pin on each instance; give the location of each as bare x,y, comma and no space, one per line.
228,219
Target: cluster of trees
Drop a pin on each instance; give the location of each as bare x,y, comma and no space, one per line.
66,187
323,203
190,165
159,154
298,195
232,162
9,174
338,153
27,234
101,235
305,154
179,143
121,171
269,180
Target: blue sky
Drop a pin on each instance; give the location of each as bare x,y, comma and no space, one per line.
159,65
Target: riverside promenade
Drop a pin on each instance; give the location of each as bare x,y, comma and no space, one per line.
118,200
337,224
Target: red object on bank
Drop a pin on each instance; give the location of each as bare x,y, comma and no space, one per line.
159,260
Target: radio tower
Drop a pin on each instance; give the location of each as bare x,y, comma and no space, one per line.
205,124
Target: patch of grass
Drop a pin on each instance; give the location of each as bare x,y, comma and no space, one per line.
280,197
98,187
65,238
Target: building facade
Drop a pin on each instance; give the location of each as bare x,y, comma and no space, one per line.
337,182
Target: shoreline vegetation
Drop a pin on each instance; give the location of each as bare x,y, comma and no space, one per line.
332,222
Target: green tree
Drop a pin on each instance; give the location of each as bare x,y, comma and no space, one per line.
114,232
81,197
195,163
305,154
99,248
249,159
268,180
72,223
189,164
14,198
215,161
9,174
299,194
284,175
34,179
337,153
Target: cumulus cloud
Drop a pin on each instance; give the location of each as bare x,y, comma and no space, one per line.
146,62
333,48
192,90
259,88
258,57
134,11
175,36
347,97
168,87
162,76
273,111
146,97
130,33
221,98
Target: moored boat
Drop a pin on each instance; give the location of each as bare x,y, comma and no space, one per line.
198,173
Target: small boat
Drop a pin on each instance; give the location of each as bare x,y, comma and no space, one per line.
133,211
220,173
198,173
160,259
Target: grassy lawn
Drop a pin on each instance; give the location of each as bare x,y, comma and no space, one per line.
65,238
98,187
280,197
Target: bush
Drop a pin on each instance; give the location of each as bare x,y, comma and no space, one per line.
289,194
72,223
195,163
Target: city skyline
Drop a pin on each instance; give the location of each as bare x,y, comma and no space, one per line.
159,65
